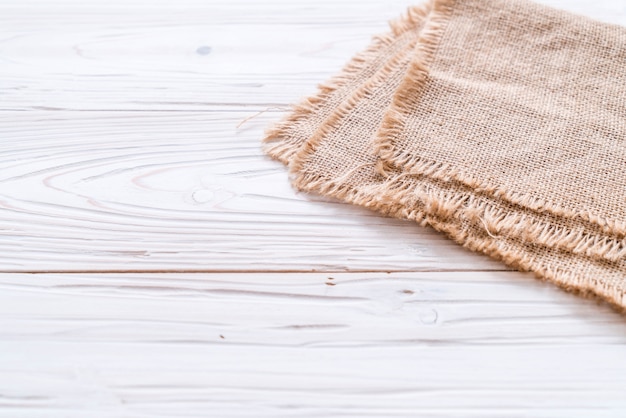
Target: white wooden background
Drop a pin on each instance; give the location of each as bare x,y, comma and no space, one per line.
153,263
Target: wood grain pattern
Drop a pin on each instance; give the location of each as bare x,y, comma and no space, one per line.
182,191
188,56
267,345
123,168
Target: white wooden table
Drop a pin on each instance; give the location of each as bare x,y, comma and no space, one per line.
153,263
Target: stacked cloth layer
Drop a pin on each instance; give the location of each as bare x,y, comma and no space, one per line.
501,123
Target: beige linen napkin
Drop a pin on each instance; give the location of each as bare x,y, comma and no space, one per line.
432,123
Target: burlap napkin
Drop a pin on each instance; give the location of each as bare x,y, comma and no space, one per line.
500,123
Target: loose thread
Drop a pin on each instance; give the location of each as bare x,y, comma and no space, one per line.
243,121
350,172
487,228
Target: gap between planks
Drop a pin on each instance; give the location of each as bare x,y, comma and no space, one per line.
250,271
211,108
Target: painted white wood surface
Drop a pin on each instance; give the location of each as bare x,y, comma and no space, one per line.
123,169
284,344
181,191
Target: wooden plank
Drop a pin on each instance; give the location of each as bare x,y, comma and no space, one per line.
182,191
271,345
190,55
194,55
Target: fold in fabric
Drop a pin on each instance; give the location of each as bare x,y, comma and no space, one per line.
499,123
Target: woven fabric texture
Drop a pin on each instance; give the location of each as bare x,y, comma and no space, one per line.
500,123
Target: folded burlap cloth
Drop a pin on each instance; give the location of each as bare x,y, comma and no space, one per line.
501,123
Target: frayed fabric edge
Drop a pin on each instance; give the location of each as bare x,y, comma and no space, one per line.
425,210
530,227
413,84
276,142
